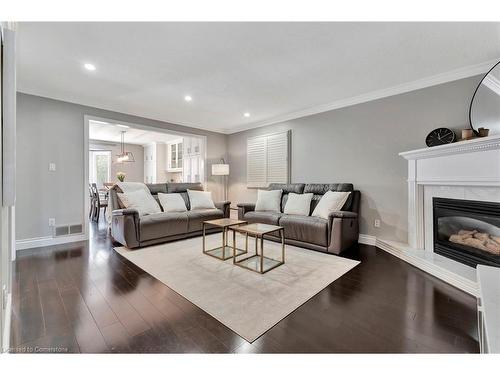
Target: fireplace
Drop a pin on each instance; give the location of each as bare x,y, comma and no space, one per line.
467,231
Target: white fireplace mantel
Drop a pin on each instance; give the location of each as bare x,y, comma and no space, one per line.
463,170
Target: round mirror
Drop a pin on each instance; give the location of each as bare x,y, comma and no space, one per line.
484,111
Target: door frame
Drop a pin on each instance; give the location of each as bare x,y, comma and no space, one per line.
86,148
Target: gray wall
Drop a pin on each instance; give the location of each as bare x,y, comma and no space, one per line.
53,131
360,144
134,171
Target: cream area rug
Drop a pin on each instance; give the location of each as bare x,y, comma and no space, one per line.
247,302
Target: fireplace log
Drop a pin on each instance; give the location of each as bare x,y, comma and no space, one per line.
478,240
482,236
493,247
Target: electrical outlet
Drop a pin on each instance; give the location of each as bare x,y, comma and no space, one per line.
52,222
376,223
52,167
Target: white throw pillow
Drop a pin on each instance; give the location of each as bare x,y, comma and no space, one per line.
172,202
200,199
268,200
142,201
331,201
298,204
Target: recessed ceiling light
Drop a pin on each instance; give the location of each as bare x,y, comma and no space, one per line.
246,114
187,98
122,126
89,66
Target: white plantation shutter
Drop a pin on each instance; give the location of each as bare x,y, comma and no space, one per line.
267,160
256,162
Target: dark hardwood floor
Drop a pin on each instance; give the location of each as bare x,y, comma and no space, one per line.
87,298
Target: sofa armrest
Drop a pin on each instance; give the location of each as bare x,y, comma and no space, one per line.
343,230
342,214
125,227
125,211
243,208
224,206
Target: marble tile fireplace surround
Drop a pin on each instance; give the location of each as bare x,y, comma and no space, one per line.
467,170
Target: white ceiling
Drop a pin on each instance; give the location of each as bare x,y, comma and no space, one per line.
112,133
275,71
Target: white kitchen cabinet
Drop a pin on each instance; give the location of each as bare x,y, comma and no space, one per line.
175,157
193,159
154,162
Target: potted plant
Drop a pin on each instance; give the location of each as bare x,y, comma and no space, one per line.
120,176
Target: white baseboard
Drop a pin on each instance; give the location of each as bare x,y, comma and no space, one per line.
454,273
30,243
6,332
367,239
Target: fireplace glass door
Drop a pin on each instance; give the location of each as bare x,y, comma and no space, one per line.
467,231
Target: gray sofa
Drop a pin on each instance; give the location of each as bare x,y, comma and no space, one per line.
132,230
334,235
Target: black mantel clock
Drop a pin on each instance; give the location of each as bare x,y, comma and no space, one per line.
440,136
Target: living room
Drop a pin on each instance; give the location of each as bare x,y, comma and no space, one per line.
251,187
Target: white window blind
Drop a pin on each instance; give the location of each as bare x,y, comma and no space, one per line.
267,160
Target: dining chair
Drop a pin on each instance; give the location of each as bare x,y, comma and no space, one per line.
92,203
98,203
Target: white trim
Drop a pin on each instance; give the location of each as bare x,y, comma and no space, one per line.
6,332
433,264
473,145
420,259
437,79
367,239
492,82
29,243
86,172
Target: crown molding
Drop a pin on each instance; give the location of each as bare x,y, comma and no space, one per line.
438,79
492,82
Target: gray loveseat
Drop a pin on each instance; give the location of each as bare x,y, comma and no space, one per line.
132,230
334,235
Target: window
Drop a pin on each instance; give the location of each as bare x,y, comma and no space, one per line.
268,160
100,167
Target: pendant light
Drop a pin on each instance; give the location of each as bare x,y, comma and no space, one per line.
124,156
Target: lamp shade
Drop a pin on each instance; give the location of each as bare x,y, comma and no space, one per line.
220,169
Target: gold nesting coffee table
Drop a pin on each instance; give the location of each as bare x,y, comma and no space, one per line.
257,262
223,252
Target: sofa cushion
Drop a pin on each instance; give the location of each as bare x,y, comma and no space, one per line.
199,200
140,200
298,204
268,200
319,189
172,202
182,188
197,217
263,217
286,188
330,202
162,224
305,228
